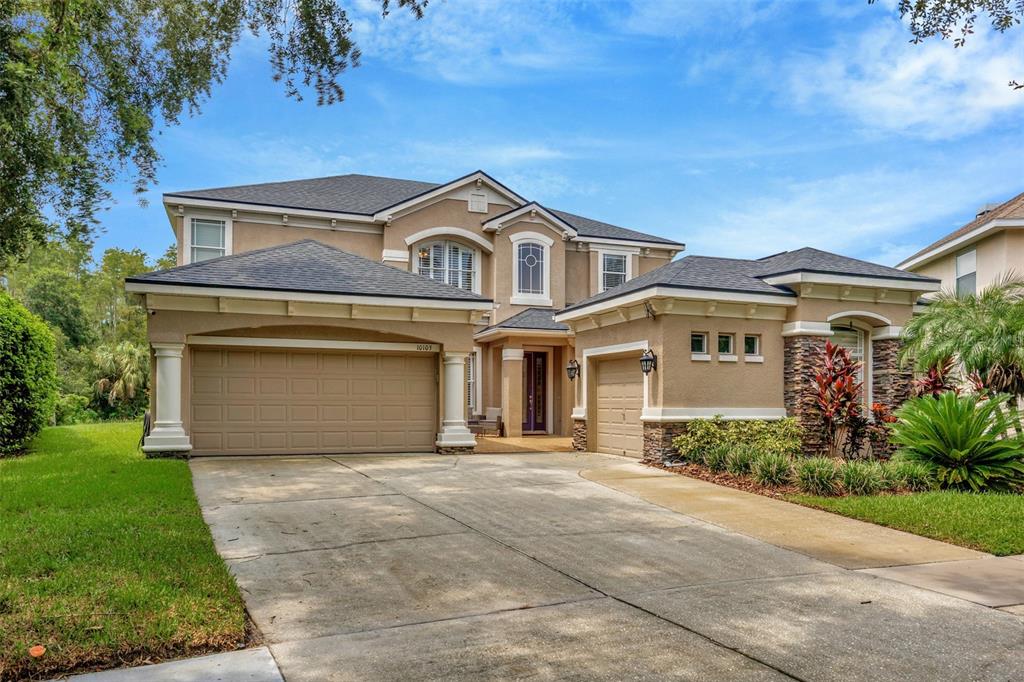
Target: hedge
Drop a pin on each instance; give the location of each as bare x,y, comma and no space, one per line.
28,375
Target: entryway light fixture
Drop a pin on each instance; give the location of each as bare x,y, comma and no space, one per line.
572,369
648,361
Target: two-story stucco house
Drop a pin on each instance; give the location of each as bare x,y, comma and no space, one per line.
367,314
981,252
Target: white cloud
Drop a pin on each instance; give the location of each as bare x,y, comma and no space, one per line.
480,42
674,18
876,214
930,90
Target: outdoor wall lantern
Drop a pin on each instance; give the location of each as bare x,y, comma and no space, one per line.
572,369
648,361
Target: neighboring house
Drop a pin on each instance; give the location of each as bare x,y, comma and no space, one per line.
365,314
969,259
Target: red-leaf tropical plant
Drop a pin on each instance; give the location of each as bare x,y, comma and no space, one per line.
835,398
879,430
935,381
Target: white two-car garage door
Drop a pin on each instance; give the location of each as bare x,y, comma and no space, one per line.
620,401
253,401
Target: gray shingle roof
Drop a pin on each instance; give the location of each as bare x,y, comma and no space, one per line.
310,267
747,276
368,194
531,318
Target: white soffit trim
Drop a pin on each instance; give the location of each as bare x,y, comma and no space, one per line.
310,297
514,331
685,414
450,231
806,328
472,178
675,248
325,344
500,222
171,201
858,313
635,297
853,281
961,241
883,333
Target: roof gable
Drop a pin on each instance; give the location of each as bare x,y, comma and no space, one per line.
1011,208
532,210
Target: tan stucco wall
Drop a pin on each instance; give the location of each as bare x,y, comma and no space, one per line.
504,262
819,310
577,275
444,213
997,255
251,236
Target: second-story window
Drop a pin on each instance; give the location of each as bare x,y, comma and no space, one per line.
448,262
613,270
967,273
530,262
207,239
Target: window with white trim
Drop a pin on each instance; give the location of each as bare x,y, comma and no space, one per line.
725,344
967,273
853,340
751,345
530,266
613,270
207,239
699,343
449,262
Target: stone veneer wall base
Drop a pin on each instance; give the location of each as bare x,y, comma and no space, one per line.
452,450
579,435
801,355
658,438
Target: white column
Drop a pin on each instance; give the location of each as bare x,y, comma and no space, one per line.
167,434
454,432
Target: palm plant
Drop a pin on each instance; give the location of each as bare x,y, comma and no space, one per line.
983,332
124,369
962,440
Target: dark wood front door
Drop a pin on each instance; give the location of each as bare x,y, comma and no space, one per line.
535,373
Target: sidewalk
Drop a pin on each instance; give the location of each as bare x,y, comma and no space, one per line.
247,665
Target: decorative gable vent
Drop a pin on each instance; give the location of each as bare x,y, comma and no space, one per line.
478,202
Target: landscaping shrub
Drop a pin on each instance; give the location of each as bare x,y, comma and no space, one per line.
910,476
28,375
817,476
863,478
835,401
781,436
715,457
961,440
738,459
771,468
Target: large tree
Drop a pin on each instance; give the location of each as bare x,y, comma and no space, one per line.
86,84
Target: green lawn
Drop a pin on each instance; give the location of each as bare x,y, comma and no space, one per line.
105,559
989,522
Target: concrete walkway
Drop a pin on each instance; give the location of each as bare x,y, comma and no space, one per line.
250,665
514,566
819,534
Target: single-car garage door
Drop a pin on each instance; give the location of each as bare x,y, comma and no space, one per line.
620,400
253,401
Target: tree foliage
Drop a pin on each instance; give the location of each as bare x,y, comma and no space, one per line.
956,19
84,85
56,297
28,375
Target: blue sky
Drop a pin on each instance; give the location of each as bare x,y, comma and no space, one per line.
740,128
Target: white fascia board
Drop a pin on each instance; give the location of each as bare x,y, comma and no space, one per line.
309,297
676,248
325,344
685,414
498,222
395,255
472,178
512,331
632,298
961,241
852,281
173,201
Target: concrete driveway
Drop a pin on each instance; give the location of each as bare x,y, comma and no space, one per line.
515,566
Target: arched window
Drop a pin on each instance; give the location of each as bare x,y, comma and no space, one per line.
530,261
449,262
531,269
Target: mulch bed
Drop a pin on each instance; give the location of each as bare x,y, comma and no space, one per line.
729,480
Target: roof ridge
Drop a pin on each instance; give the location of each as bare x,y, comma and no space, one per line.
975,222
